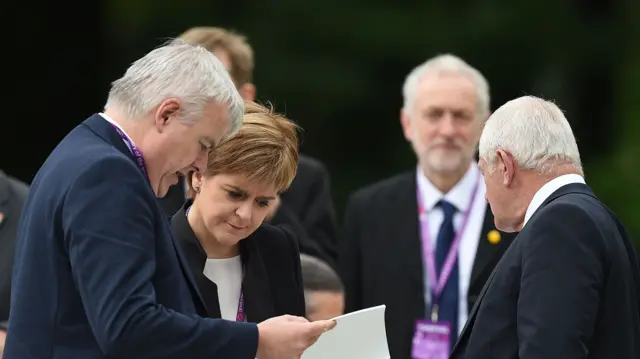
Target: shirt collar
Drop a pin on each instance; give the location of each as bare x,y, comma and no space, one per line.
458,195
547,190
111,121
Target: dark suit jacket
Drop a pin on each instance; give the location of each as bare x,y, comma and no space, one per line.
306,208
568,287
308,202
272,281
13,194
381,258
97,273
174,199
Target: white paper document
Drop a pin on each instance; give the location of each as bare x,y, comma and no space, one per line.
357,335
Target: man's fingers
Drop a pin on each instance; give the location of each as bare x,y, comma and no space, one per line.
320,326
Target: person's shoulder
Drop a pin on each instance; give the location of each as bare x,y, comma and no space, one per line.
82,152
310,170
20,188
383,188
573,205
273,237
579,216
311,164
275,244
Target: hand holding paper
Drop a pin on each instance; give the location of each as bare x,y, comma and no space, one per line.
357,335
288,336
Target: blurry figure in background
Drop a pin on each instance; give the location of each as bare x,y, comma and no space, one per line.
234,256
423,242
323,290
306,207
13,194
569,286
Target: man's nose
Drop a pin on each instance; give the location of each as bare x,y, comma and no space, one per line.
447,125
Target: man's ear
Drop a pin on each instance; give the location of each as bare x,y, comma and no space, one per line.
196,181
169,110
247,91
405,121
506,165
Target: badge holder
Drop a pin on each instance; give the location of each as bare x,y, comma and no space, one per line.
431,338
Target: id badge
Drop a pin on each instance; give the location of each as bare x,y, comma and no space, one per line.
431,340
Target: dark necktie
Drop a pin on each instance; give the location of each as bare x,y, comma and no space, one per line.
448,306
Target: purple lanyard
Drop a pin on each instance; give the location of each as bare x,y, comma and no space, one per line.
240,316
438,281
136,152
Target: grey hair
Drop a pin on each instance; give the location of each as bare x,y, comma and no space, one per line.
534,131
177,70
446,64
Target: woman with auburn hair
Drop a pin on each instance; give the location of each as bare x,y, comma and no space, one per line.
245,270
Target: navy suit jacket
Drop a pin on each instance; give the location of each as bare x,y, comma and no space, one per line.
568,287
97,272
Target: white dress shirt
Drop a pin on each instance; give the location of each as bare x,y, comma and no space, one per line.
460,197
547,190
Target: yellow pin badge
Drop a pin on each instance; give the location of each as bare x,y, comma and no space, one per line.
494,236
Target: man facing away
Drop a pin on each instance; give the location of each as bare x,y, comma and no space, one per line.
401,234
569,285
97,273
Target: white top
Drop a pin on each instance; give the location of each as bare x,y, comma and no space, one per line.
459,196
227,275
547,190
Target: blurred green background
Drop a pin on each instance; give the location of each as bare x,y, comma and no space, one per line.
337,68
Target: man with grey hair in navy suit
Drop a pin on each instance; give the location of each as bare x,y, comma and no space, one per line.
97,272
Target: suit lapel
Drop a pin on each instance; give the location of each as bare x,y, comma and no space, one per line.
255,284
404,211
474,310
488,247
195,259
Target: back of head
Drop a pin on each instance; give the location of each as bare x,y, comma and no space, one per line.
534,131
265,149
234,44
176,70
318,275
446,64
